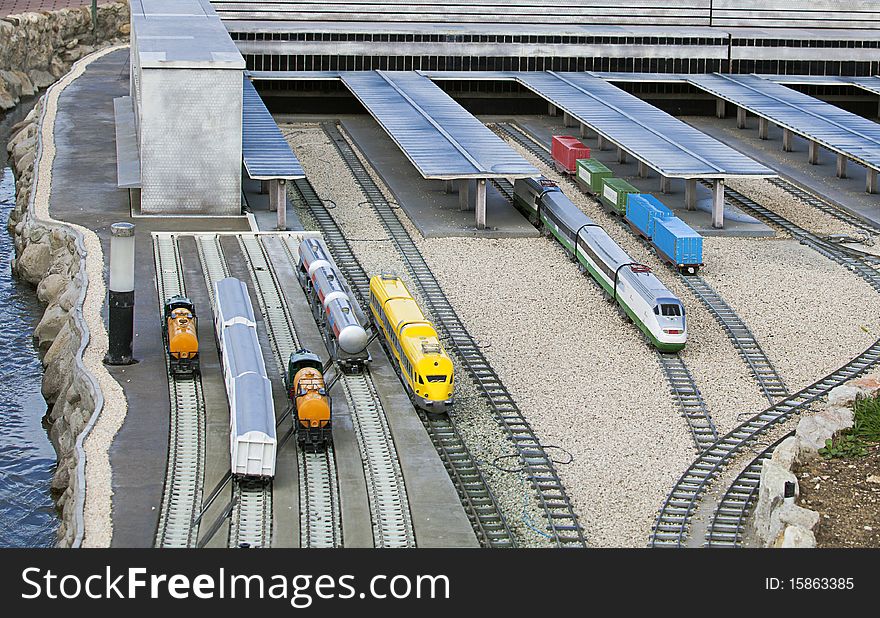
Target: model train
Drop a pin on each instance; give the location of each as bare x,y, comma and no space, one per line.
415,350
308,397
657,312
340,320
252,436
675,241
180,331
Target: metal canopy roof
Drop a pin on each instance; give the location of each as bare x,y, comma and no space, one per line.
871,84
826,124
439,137
664,143
265,152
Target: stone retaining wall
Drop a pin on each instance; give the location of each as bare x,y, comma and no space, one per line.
38,48
778,522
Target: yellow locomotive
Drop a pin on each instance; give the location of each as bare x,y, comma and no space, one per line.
420,360
308,396
181,337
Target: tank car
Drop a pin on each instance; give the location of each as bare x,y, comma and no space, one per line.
180,328
308,397
340,320
252,436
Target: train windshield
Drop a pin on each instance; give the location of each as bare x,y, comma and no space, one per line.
436,378
668,310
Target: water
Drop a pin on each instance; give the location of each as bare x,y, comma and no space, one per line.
27,460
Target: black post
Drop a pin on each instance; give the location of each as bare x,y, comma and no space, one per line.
121,304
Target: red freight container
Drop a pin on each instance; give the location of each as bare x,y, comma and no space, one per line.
567,150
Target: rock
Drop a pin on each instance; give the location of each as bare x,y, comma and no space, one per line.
51,323
7,99
796,537
794,515
51,288
34,262
71,295
869,383
836,419
843,395
786,453
811,435
41,79
770,497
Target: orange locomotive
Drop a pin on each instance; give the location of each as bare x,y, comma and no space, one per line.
181,338
309,398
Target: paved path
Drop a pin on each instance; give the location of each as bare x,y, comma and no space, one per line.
14,7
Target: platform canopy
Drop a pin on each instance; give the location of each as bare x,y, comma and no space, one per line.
837,130
871,84
439,137
265,152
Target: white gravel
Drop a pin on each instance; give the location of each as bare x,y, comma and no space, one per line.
615,418
810,315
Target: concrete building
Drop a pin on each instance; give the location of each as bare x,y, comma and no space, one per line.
186,108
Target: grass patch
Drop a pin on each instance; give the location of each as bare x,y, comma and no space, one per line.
854,442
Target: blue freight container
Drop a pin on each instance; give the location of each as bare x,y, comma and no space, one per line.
642,209
678,242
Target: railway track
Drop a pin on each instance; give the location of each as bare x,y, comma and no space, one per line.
871,229
250,522
184,475
562,523
320,514
728,522
479,502
676,514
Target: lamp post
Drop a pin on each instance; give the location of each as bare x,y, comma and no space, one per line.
121,286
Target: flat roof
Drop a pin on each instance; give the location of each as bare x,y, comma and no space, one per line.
661,141
439,137
264,151
181,34
830,126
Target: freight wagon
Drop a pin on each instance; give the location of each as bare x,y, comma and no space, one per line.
642,210
677,243
566,151
614,192
590,174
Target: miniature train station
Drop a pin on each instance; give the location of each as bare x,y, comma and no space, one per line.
429,277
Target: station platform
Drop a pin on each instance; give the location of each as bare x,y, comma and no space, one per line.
544,127
434,212
85,192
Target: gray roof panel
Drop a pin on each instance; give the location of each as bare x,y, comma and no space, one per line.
265,152
439,137
663,142
829,125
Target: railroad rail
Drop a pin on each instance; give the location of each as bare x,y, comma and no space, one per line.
185,471
871,229
727,525
562,522
675,516
489,525
321,518
250,522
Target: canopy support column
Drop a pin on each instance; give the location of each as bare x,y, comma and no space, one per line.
814,153
567,120
551,109
464,198
786,140
584,131
871,181
448,186
264,187
690,193
481,204
718,203
720,108
621,155
763,128
643,170
664,184
740,118
278,200
601,143
841,166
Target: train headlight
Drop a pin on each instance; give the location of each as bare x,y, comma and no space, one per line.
673,331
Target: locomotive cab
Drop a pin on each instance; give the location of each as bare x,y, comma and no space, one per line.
181,336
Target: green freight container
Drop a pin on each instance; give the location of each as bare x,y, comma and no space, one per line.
614,192
591,172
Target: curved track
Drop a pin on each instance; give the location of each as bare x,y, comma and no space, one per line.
250,523
185,472
562,523
479,502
